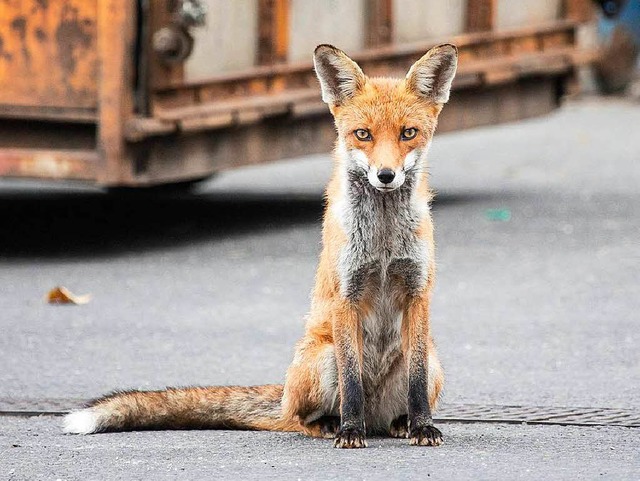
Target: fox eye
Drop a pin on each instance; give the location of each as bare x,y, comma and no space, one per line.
408,134
362,134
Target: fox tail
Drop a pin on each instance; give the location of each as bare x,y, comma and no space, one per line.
255,408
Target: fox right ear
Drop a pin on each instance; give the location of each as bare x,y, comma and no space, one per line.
340,77
431,76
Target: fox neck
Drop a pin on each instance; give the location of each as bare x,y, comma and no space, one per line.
375,221
381,228
364,200
358,200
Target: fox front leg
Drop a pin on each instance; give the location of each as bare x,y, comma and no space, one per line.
422,432
347,339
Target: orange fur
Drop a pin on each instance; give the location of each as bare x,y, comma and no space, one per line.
385,107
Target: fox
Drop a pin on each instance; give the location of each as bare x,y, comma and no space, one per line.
367,363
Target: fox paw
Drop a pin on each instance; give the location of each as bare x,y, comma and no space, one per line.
349,438
425,436
325,427
400,427
329,426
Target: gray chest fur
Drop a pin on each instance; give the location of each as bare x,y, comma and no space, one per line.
383,252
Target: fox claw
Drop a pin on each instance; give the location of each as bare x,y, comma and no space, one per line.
425,436
350,438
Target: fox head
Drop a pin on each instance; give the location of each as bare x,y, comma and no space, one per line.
385,125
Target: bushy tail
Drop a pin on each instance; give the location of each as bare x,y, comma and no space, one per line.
220,407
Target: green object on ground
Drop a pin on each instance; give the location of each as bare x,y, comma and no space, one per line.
500,215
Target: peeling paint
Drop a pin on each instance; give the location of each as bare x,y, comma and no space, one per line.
50,46
4,55
70,35
41,35
19,25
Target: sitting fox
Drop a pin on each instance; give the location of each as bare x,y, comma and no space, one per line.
367,363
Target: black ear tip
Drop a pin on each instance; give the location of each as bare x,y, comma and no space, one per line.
447,48
324,48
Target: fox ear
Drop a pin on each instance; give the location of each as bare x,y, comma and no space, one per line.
340,77
431,76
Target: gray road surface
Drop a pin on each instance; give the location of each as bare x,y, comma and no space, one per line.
537,303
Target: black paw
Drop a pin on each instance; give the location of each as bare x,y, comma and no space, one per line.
400,427
349,438
425,436
329,426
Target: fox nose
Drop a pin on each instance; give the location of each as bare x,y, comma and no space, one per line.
386,176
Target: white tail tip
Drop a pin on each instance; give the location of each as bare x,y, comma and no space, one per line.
85,421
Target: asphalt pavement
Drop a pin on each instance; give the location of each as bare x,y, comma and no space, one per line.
537,304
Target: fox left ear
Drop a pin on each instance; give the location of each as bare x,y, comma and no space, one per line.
340,77
431,76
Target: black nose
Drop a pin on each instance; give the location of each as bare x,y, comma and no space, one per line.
386,175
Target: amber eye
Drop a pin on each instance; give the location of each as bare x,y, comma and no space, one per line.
408,134
362,134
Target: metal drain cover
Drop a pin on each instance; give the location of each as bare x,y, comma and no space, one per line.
539,415
466,413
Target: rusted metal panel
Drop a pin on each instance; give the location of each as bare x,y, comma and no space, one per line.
485,58
199,154
223,113
49,164
48,54
139,128
186,128
380,22
481,15
116,24
384,60
57,114
178,157
160,73
273,31
579,10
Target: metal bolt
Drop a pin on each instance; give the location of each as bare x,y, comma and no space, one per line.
172,44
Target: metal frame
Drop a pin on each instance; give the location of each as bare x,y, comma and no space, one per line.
157,128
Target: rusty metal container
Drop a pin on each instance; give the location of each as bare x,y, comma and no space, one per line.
148,92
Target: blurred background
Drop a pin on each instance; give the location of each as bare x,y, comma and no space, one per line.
170,92
168,157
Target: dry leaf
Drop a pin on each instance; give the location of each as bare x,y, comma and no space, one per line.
62,295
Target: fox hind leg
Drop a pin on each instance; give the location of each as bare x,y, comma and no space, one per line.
311,389
400,427
325,427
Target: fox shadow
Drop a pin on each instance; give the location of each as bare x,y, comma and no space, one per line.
94,224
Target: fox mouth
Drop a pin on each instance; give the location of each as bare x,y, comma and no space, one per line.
383,187
360,174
